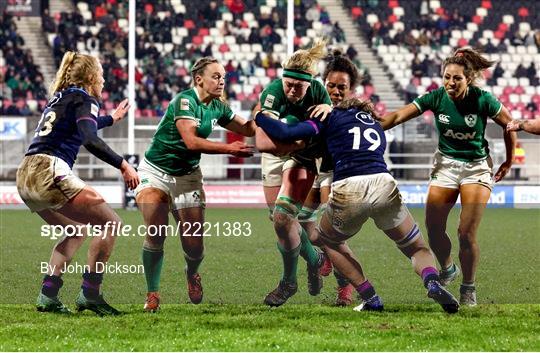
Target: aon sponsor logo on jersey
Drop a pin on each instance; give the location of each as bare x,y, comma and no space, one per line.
460,135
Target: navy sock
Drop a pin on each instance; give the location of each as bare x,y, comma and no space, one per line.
51,285
91,284
366,290
430,274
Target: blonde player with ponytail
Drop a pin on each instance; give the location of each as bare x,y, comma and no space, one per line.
296,96
462,165
48,186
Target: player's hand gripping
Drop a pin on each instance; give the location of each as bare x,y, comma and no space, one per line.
121,110
240,149
131,178
514,125
320,111
503,170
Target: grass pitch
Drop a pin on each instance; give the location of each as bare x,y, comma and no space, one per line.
238,271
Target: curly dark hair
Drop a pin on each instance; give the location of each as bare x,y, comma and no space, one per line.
337,61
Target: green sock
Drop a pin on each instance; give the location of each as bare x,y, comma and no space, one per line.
290,263
193,264
152,263
307,251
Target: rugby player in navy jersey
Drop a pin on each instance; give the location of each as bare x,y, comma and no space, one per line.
48,187
362,188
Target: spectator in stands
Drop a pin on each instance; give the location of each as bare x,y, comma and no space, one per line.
532,107
47,185
338,34
313,13
325,16
411,90
497,73
417,67
519,159
236,7
461,110
172,178
521,71
47,22
432,86
532,74
210,14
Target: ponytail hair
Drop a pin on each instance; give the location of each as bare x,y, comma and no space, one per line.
76,69
306,60
339,62
355,103
472,61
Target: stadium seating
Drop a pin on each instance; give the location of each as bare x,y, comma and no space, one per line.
171,35
23,91
415,46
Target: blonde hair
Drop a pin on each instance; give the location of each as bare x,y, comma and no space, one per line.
75,70
307,59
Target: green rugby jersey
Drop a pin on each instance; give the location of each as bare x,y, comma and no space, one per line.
167,151
461,124
274,100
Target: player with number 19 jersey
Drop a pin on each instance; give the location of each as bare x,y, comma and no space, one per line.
361,150
355,140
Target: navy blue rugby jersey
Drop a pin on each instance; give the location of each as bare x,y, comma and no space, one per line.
57,133
356,143
355,140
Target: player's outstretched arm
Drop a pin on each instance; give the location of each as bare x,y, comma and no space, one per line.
188,131
281,131
95,145
242,126
399,116
530,126
278,148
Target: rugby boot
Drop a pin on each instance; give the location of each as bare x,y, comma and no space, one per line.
315,282
438,293
151,304
280,295
447,276
97,305
467,295
345,295
51,305
195,289
372,304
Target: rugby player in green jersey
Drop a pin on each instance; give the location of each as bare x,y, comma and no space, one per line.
462,165
295,97
171,179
